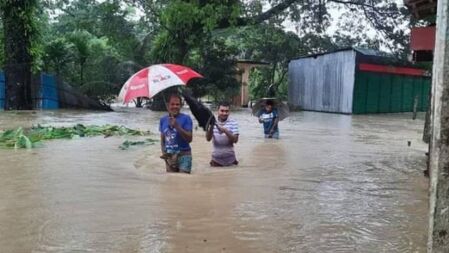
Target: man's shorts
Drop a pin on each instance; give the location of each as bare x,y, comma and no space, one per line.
185,162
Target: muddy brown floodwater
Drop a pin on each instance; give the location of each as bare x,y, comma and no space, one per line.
332,183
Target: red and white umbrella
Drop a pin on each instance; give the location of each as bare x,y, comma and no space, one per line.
151,80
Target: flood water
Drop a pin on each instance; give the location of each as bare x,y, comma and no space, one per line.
332,183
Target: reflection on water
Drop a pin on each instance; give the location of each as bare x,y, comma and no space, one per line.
332,183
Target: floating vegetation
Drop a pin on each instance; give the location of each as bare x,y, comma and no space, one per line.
29,138
126,144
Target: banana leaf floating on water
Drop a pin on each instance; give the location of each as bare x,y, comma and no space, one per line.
30,137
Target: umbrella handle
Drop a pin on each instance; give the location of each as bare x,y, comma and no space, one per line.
165,103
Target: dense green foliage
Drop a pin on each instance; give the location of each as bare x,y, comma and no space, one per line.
96,45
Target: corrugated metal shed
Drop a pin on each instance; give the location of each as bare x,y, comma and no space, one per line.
356,81
323,82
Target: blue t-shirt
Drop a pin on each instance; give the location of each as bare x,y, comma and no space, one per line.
268,119
173,140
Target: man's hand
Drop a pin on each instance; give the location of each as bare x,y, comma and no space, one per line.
232,137
221,129
172,122
186,135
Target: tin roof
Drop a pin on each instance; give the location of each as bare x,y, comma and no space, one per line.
366,55
360,50
253,62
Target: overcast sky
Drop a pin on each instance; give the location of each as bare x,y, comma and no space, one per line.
336,15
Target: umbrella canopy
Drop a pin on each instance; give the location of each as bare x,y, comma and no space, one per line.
151,80
202,114
282,108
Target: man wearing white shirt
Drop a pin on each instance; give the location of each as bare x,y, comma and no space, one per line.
225,133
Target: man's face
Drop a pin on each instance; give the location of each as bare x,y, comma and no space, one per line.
268,108
223,112
174,106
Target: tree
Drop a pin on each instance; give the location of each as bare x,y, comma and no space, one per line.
109,19
57,55
185,32
384,16
20,37
95,45
184,24
271,44
214,59
170,31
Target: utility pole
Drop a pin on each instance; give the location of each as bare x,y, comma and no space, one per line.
438,240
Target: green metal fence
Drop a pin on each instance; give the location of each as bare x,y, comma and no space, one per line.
386,93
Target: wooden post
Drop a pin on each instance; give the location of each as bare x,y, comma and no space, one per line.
415,107
438,240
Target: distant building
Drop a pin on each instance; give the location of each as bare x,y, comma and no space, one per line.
422,43
243,70
422,39
356,81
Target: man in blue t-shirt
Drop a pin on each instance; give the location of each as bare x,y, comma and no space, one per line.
270,119
176,134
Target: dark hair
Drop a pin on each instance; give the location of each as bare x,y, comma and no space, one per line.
269,102
175,95
224,103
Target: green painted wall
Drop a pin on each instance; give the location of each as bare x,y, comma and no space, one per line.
384,93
